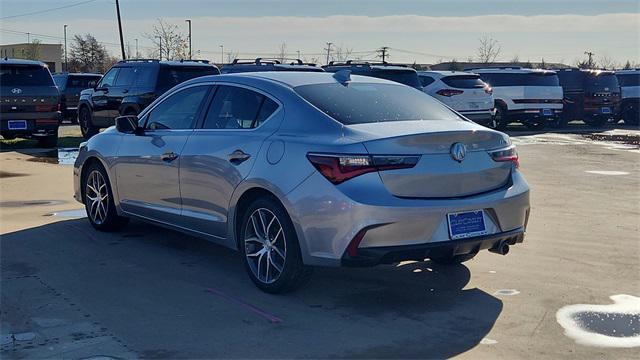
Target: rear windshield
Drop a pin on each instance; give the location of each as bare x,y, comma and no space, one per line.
602,81
409,78
24,75
520,79
174,75
359,103
628,79
464,81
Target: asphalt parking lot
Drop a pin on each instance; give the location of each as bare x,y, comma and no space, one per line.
69,291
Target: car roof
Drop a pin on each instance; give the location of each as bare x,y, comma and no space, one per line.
628,71
291,78
444,73
154,62
77,74
22,62
364,65
509,70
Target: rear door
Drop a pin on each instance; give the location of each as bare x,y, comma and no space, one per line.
220,154
147,167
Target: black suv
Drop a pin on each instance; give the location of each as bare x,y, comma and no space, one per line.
383,70
260,64
130,86
70,85
590,95
29,102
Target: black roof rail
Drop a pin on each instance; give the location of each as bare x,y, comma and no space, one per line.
364,63
138,60
267,61
493,68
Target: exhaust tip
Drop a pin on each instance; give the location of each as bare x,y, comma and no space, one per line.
502,248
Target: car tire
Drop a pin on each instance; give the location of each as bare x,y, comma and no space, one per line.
86,125
270,249
452,259
501,118
631,117
98,200
50,141
8,136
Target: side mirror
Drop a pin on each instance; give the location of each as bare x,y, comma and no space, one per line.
128,124
92,84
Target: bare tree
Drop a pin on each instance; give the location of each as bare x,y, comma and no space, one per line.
515,59
627,65
488,50
606,62
232,55
282,53
88,55
341,53
165,36
32,51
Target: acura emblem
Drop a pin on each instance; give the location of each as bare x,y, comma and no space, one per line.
458,151
16,91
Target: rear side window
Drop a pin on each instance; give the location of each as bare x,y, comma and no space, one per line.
82,82
61,81
238,108
628,79
426,80
179,110
25,75
145,75
171,76
464,81
359,103
409,78
520,79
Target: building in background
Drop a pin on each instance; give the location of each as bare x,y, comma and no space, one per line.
50,54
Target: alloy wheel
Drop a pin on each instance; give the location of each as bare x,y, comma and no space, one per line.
97,197
265,245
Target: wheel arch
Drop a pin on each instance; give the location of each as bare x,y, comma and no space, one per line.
244,200
90,160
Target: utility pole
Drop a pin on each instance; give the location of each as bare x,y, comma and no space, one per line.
298,54
28,38
384,53
590,55
190,53
124,57
66,58
160,45
221,54
328,51
137,53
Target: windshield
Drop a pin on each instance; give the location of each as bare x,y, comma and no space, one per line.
629,79
359,103
520,79
409,78
24,75
464,81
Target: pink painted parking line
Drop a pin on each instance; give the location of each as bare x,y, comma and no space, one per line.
269,317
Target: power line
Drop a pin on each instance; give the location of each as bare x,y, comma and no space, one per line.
47,10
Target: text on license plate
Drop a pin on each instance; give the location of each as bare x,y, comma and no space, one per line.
466,224
606,110
17,125
547,112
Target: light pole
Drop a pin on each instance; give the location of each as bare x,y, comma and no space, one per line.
328,51
190,52
66,58
137,53
221,54
160,44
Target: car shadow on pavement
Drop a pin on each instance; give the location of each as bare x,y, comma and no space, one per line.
163,292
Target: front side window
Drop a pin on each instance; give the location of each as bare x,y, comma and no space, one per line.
629,79
238,108
179,110
125,77
109,78
359,103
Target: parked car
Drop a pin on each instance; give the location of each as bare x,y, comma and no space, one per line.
532,97
130,86
590,95
629,81
260,64
70,85
297,170
382,70
464,92
29,102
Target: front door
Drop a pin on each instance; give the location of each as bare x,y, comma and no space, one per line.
220,154
100,97
147,167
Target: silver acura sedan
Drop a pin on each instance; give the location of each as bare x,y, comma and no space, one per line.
304,169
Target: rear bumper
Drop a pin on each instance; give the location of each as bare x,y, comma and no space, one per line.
37,124
391,254
534,115
480,117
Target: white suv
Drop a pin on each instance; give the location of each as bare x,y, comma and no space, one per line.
464,92
532,97
629,81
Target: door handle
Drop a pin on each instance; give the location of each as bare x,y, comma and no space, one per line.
125,91
169,156
238,157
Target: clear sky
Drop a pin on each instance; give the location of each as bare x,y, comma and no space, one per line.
423,31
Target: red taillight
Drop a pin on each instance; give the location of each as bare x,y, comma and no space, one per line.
352,248
340,168
449,92
488,90
46,108
507,154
